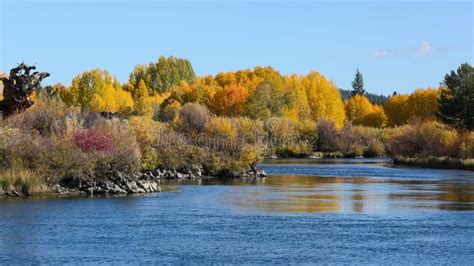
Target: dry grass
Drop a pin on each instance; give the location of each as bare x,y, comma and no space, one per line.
21,181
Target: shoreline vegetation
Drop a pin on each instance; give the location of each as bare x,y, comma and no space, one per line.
98,136
436,162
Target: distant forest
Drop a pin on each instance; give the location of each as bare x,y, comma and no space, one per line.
373,98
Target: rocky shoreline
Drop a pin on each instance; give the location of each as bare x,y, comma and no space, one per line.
144,182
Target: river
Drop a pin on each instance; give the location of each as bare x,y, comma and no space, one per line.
305,211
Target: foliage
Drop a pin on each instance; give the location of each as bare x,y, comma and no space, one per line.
422,104
457,98
425,139
224,123
327,134
373,98
169,110
360,141
54,149
361,112
396,109
97,91
358,84
161,76
193,118
323,98
267,101
229,101
91,140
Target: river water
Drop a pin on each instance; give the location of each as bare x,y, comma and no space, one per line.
305,211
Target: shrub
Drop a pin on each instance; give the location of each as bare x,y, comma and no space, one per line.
193,118
466,147
284,138
221,134
147,133
46,116
90,140
425,139
360,141
169,110
327,136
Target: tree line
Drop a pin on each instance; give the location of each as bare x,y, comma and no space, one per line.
160,89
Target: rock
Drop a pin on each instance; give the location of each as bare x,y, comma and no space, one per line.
90,190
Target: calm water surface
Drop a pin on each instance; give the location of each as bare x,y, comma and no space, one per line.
331,211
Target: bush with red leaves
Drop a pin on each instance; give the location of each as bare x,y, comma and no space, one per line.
90,140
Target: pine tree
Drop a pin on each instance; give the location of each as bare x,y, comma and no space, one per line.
358,84
456,102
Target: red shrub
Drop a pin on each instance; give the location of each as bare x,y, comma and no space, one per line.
90,140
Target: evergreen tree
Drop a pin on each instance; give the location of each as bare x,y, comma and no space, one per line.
358,84
456,101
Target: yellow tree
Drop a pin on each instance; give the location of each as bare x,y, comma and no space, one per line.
324,99
140,98
298,99
423,103
97,91
361,111
377,118
357,109
396,109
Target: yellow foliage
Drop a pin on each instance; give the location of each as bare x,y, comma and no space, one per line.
396,109
360,111
357,109
423,104
298,94
377,118
98,91
221,127
147,133
324,99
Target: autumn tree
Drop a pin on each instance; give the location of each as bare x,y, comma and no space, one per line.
377,118
97,91
297,97
456,101
396,109
357,108
361,111
140,98
422,104
229,101
324,99
267,100
161,76
358,84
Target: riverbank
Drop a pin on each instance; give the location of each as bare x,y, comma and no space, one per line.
117,183
436,162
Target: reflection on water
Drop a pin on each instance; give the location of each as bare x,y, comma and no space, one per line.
303,213
296,193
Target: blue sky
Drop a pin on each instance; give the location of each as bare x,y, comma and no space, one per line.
397,46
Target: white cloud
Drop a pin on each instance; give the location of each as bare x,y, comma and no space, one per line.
423,49
382,53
